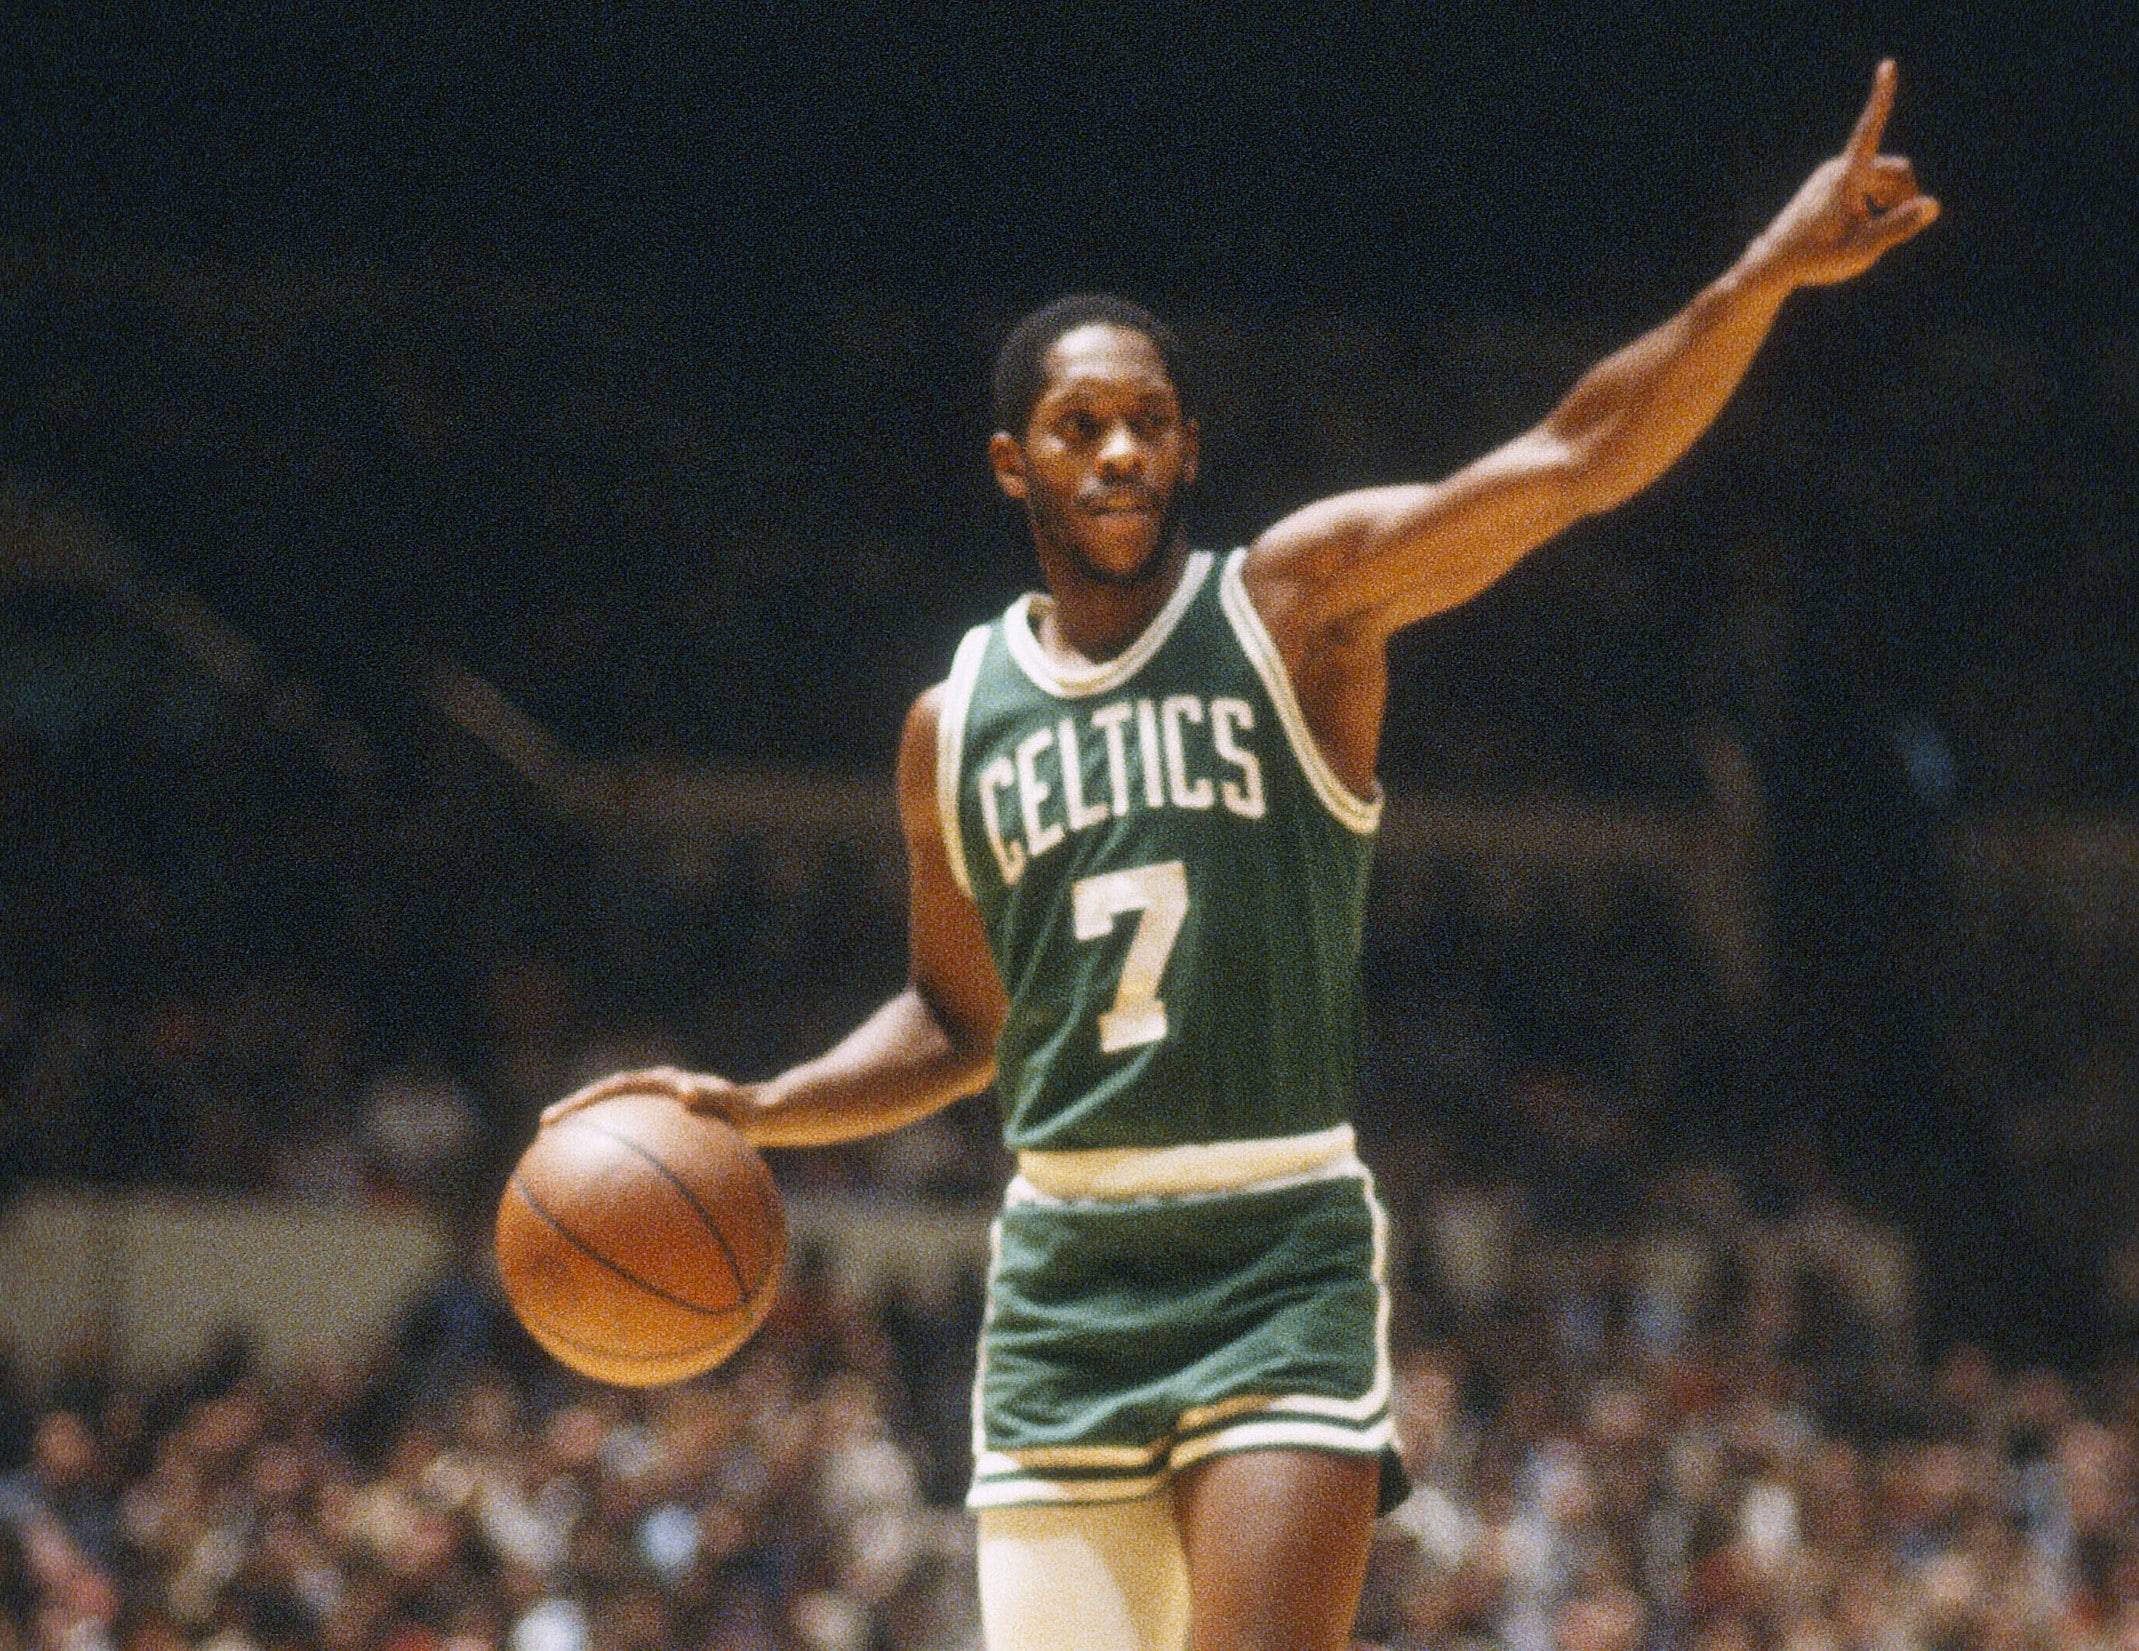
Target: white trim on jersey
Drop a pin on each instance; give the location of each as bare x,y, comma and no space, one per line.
951,745
1360,814
1097,676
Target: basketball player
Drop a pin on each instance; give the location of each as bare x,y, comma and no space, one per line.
1139,815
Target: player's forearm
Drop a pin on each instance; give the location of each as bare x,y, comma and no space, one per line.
1399,555
900,1064
1631,416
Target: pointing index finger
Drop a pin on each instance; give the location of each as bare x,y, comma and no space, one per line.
1871,125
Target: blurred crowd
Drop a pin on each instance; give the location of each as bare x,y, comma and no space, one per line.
463,1496
1706,1425
280,1087
1716,1431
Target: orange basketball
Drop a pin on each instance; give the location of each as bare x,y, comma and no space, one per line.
640,1243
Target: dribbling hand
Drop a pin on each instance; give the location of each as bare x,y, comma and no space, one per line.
695,1091
1854,209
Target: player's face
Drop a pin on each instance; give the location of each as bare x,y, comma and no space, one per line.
1103,456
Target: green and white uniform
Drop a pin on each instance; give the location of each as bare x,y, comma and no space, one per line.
1173,882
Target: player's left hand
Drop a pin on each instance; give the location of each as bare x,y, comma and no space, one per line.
1854,209
694,1091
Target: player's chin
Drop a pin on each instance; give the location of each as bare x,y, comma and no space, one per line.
1122,547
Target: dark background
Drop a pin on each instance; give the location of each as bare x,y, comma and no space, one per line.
374,321
634,356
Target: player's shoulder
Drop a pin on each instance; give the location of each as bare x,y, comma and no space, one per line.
919,758
923,717
1309,546
927,709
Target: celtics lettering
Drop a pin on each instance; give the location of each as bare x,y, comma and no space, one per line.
1176,752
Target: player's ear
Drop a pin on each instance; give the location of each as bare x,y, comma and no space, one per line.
1007,460
1192,443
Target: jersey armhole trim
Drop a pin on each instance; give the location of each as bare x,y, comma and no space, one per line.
1359,814
950,747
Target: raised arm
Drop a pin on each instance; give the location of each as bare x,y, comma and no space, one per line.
1360,566
930,1045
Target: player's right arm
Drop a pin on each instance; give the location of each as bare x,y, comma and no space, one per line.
1356,568
932,1044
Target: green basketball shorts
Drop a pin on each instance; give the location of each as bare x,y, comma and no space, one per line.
1128,1337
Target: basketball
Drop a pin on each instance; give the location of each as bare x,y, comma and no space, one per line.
640,1243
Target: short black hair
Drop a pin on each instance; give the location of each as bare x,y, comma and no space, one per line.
1021,364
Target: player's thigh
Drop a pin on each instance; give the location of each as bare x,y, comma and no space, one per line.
1276,1543
1104,1576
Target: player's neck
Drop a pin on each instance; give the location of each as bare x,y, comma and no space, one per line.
1089,620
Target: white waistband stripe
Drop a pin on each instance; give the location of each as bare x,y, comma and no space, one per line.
1185,1171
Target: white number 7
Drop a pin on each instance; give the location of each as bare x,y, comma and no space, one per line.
1160,892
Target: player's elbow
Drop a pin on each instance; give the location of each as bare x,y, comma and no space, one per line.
1566,475
969,1067
1601,463
968,1022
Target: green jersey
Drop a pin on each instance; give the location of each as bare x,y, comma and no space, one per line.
1171,877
